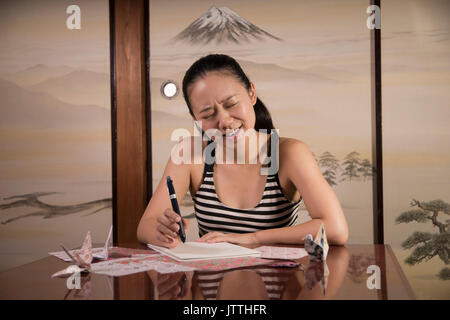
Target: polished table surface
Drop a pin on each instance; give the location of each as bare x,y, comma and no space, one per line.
369,272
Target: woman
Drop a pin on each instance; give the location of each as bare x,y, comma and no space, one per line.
234,202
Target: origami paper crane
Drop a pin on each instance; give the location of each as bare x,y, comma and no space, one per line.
317,248
103,255
317,272
83,257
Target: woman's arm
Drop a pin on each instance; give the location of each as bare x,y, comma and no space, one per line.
319,197
158,218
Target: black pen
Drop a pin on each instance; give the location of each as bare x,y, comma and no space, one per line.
173,200
182,284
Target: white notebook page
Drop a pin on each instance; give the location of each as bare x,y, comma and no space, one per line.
203,251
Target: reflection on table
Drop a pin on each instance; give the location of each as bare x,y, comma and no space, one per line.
350,272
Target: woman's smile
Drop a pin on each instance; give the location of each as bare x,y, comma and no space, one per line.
232,133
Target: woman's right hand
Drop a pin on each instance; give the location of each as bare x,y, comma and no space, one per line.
168,229
172,286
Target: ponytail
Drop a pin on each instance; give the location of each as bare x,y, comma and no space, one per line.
263,118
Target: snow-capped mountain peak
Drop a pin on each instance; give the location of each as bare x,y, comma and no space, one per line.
221,24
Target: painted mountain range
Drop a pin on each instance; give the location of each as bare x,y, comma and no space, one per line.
222,25
75,86
22,108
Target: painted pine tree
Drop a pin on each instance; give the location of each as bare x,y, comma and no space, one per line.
428,245
330,165
366,170
350,166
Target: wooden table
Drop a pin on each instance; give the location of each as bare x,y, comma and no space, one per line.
353,274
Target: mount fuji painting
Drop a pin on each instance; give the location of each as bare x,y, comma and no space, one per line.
311,66
222,25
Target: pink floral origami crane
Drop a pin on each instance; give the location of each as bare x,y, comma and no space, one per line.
83,257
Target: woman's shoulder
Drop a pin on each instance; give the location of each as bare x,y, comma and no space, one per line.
294,149
290,145
295,160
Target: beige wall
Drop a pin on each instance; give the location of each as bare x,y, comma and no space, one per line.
416,135
54,127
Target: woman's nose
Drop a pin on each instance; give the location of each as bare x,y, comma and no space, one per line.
225,120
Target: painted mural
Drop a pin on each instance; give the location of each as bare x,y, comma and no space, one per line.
416,135
310,69
55,158
310,63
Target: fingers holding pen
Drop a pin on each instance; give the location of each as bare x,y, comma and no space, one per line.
167,227
171,216
178,224
170,220
171,286
167,241
167,231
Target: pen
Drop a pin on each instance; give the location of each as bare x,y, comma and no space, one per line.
173,200
182,284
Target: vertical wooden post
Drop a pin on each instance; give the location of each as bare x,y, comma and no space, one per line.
129,116
377,145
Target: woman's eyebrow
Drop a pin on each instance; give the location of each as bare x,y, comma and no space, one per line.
224,100
206,109
228,98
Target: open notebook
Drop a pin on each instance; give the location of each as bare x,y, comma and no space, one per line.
190,251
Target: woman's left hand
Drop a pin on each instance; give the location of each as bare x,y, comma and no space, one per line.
237,238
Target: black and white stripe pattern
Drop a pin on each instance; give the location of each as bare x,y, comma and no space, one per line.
273,211
209,282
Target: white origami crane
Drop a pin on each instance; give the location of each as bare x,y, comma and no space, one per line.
83,257
103,255
317,248
324,280
317,271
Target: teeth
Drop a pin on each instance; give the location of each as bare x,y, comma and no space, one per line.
230,133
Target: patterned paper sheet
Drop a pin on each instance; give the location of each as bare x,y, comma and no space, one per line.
164,264
113,253
126,266
144,260
220,264
284,253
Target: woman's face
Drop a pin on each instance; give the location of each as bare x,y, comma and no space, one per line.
221,102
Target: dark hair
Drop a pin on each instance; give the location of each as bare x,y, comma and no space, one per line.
221,62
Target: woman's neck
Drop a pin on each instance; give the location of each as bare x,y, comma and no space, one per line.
251,148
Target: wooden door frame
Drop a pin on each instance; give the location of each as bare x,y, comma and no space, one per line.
130,116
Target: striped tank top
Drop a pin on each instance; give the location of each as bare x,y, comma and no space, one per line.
273,211
274,280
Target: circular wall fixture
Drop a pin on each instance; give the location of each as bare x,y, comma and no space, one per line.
169,89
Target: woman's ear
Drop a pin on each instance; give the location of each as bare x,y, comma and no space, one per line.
252,93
